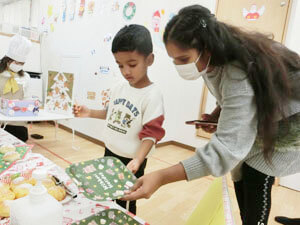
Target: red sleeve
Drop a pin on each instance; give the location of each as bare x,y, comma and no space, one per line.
153,129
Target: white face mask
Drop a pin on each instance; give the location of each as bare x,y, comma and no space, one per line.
15,67
190,71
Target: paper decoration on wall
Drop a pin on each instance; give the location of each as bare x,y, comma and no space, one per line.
104,69
115,6
156,20
91,6
254,13
93,52
102,179
72,9
50,11
91,95
109,217
107,38
59,92
52,27
105,98
64,10
129,10
43,20
81,8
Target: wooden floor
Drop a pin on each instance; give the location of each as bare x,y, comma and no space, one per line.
170,205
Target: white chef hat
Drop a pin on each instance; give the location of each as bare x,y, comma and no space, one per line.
19,48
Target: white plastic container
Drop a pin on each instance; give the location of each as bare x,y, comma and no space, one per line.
38,207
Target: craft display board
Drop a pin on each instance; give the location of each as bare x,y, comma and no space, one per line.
59,92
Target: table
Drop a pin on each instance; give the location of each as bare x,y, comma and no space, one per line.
43,116
75,210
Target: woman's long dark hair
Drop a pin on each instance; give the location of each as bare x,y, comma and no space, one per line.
266,62
3,65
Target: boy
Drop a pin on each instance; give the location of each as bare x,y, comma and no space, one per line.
135,113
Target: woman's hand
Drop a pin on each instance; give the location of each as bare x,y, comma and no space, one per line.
208,128
213,117
81,111
149,183
144,187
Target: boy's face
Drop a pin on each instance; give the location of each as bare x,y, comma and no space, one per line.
133,66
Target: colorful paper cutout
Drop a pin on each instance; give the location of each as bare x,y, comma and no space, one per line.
104,69
91,95
115,6
105,98
254,13
72,9
81,8
91,6
129,10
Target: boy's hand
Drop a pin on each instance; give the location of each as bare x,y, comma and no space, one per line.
208,128
81,111
134,165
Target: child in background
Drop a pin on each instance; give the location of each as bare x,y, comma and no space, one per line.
135,113
14,81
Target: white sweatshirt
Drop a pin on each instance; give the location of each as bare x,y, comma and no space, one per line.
133,115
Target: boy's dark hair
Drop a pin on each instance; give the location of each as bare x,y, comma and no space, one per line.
133,38
266,62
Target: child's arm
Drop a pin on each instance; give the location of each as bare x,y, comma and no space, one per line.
145,148
152,132
83,111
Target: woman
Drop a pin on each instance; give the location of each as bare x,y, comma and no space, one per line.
14,81
256,83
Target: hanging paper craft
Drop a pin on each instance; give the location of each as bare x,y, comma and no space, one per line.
104,69
91,6
253,13
91,95
109,217
50,11
105,98
129,10
72,9
81,8
115,6
156,20
102,179
158,27
59,92
9,155
64,10
107,38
